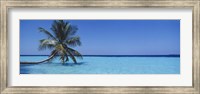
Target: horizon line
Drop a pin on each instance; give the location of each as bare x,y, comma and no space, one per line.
169,55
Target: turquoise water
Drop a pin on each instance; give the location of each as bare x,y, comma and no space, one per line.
103,65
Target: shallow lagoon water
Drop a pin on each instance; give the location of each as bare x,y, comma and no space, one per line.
103,65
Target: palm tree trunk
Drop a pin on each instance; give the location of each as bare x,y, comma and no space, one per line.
39,61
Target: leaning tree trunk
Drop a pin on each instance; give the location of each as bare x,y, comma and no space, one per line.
39,61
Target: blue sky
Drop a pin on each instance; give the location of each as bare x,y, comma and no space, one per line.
110,37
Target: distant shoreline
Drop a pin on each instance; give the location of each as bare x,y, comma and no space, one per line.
119,55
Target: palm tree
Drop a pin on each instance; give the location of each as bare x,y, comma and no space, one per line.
61,41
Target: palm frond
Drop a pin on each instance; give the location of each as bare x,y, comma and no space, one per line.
47,33
58,29
66,28
74,41
67,59
72,56
71,30
62,57
62,52
47,43
75,53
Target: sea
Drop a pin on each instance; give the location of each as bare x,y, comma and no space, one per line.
104,64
